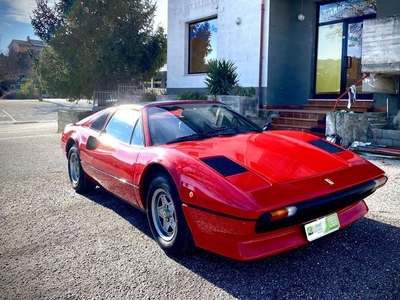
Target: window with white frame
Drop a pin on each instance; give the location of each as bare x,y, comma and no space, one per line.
202,44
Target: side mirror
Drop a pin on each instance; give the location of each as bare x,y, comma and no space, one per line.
92,143
267,126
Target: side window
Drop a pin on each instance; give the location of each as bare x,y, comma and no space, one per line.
121,125
137,137
100,122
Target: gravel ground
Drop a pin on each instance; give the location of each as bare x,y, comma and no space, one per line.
57,244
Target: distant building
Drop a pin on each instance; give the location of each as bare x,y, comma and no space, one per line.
23,46
158,81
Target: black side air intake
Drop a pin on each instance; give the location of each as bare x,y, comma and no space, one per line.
328,147
224,165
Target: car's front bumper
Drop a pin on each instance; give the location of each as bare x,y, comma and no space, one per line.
236,238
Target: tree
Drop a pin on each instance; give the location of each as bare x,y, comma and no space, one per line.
47,20
53,73
100,44
14,68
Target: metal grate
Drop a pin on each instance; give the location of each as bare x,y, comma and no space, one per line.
324,145
224,166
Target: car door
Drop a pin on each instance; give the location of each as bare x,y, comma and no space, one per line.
94,130
114,153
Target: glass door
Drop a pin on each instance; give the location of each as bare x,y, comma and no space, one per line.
329,59
353,59
338,64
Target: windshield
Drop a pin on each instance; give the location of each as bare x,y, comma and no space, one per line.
175,123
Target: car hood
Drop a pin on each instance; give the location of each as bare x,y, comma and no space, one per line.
276,157
270,170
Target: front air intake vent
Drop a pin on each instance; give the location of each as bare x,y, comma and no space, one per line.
328,147
224,165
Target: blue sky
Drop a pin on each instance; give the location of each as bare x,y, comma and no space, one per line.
16,24
14,21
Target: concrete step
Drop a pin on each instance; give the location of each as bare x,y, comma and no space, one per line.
378,120
329,104
320,132
302,114
295,122
342,102
310,121
287,127
339,107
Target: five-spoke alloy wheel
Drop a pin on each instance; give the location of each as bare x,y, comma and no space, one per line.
166,218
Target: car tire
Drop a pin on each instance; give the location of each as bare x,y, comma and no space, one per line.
80,182
166,219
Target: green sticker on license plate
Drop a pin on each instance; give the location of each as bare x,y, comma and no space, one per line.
322,227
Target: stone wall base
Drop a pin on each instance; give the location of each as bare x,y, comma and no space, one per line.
71,116
246,106
356,127
384,137
350,127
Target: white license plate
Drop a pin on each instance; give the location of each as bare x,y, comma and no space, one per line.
322,227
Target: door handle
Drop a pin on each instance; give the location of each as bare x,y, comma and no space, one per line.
349,62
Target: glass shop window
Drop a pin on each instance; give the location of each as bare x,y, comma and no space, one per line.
202,44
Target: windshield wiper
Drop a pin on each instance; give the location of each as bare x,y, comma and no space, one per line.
220,130
190,137
208,134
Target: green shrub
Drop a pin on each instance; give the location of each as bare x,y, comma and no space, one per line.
241,91
221,77
251,92
148,97
27,89
193,95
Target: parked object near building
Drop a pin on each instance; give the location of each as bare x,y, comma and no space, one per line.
207,176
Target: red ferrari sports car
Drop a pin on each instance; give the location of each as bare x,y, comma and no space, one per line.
208,177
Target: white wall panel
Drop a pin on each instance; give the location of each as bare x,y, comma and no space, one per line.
237,42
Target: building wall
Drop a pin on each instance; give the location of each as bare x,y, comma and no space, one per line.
14,46
239,43
291,52
387,8
22,46
289,45
287,62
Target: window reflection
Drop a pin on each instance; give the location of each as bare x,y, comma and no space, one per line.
121,125
346,9
329,58
202,44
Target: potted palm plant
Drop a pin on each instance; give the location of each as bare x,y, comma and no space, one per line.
222,83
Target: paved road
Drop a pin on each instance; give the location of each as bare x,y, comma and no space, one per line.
34,111
55,243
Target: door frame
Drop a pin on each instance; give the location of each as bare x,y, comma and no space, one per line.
343,74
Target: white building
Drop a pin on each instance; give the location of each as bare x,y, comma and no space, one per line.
289,50
235,35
